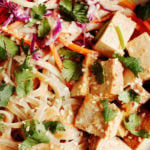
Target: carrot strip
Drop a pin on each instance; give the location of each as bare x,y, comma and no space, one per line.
77,48
147,24
127,4
56,57
10,30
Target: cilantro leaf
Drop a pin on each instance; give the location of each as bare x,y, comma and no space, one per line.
27,144
129,96
133,122
6,92
78,12
35,130
71,70
2,127
25,47
35,133
38,11
143,12
9,46
132,63
1,117
98,71
67,54
108,113
24,82
3,53
43,28
54,126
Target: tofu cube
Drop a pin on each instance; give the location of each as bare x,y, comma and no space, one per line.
140,48
129,77
132,107
81,87
90,118
109,42
96,143
113,84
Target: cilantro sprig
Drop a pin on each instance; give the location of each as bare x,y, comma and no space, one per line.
72,70
131,62
98,71
38,11
6,92
24,74
35,132
129,96
72,62
43,28
143,12
108,113
76,12
133,123
8,48
54,126
37,18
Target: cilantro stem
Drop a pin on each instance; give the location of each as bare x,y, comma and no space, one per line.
118,30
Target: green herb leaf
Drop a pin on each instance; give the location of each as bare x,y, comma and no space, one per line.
67,54
27,144
2,127
71,70
38,11
98,71
8,45
133,122
143,12
54,126
1,117
132,63
109,114
24,82
43,28
3,53
35,133
25,47
35,130
78,12
129,96
6,92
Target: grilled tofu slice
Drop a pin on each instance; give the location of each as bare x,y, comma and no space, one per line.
109,42
113,84
96,143
140,48
90,118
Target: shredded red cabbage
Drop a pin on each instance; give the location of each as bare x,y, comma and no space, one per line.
9,20
56,31
36,55
20,13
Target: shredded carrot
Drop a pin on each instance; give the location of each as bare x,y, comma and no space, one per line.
10,30
56,57
147,24
77,48
127,4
